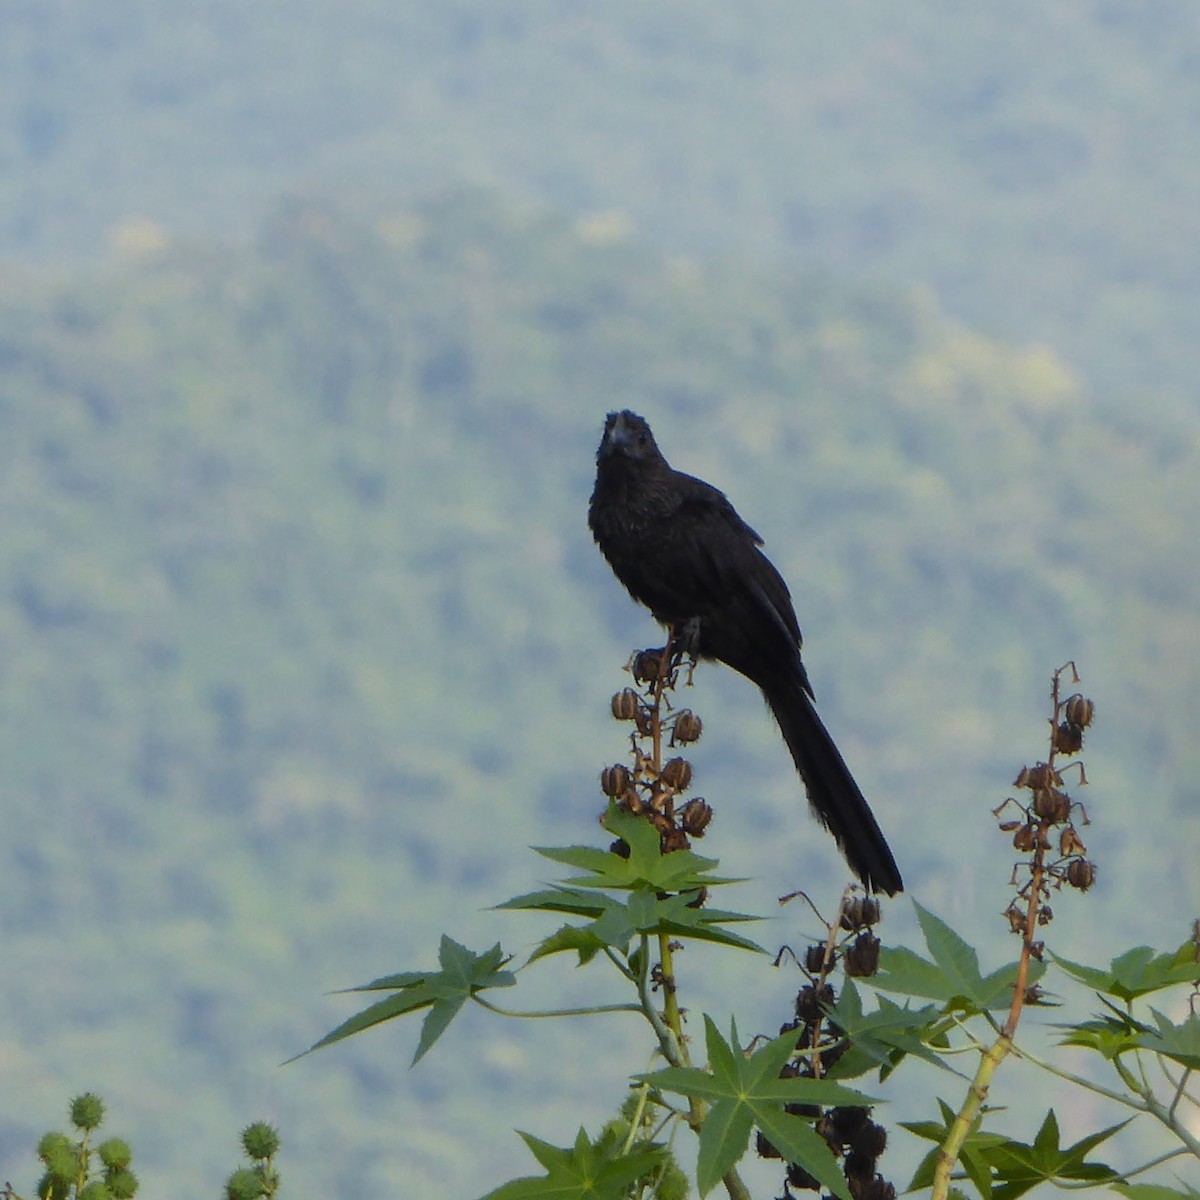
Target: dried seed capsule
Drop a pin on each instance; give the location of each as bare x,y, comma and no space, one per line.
810,1001
764,1147
859,1168
1081,874
862,959
1068,738
870,1141
1036,778
674,839
695,816
859,912
814,960
625,704
847,1122
1023,839
615,780
1079,711
1070,844
646,665
801,1180
677,774
687,727
1052,805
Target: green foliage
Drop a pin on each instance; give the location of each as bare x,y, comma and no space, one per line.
463,976
584,1171
77,1170
1001,1168
747,1092
951,973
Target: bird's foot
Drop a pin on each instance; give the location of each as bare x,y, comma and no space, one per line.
685,644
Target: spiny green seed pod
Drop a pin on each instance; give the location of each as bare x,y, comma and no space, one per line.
672,1184
64,1161
95,1191
115,1153
87,1111
244,1184
50,1187
122,1183
53,1144
260,1140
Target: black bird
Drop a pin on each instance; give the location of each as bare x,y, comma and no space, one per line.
680,549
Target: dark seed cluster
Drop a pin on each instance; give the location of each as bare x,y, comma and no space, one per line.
1044,830
849,1132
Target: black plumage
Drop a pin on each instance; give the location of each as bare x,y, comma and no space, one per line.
679,547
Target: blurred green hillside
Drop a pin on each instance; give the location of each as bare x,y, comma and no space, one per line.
303,640
1037,162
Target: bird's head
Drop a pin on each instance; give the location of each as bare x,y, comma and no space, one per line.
626,435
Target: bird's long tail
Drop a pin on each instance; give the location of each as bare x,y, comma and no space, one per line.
832,792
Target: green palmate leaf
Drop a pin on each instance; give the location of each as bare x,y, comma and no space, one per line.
1154,1191
572,939
615,922
1017,1168
1107,1036
1003,1169
644,866
586,1171
573,901
881,1039
1137,972
443,992
971,1157
951,975
1178,1042
746,1091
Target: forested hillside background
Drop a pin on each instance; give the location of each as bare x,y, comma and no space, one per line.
309,317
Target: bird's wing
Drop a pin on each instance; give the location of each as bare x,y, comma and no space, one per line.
720,557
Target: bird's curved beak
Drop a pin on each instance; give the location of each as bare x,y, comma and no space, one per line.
618,437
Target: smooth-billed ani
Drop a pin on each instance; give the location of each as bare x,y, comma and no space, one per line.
679,547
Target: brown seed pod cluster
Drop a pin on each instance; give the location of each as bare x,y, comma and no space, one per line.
1045,832
651,787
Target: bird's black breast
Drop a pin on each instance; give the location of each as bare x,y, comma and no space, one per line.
681,549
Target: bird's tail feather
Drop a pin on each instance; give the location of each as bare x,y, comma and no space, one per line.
832,792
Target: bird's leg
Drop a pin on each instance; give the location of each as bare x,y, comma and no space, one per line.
685,643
